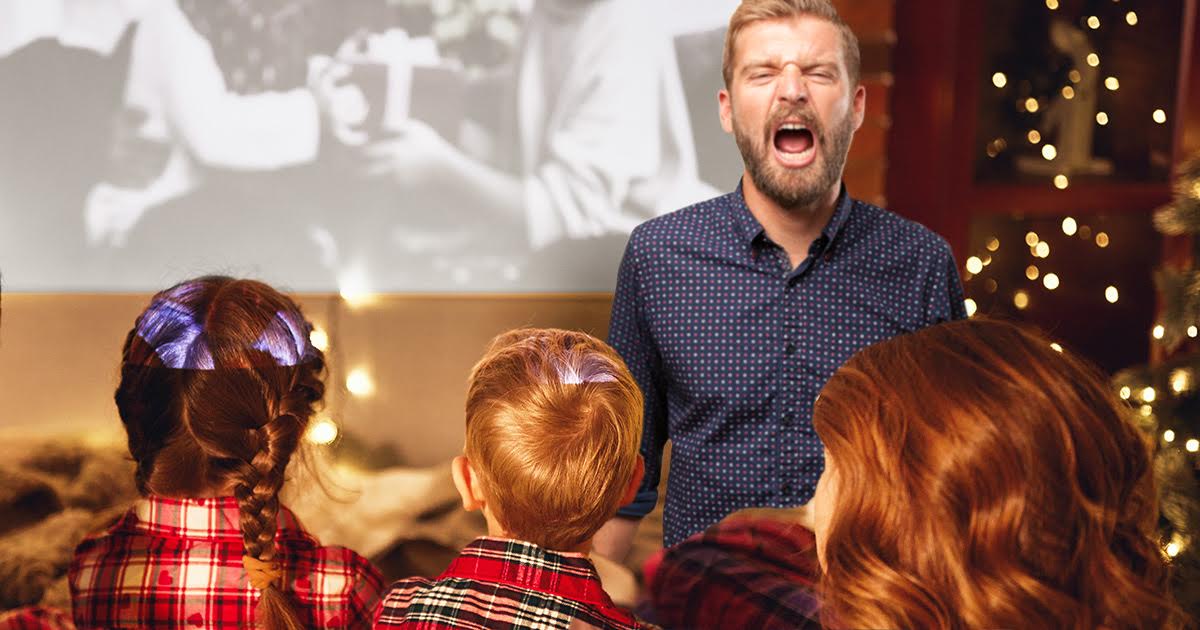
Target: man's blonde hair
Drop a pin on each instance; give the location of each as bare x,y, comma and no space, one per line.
750,11
554,423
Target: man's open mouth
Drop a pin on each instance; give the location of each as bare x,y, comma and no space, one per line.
795,144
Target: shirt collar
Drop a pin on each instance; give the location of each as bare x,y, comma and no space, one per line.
526,565
750,229
201,519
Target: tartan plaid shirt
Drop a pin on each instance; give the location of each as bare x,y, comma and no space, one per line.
178,562
744,572
501,583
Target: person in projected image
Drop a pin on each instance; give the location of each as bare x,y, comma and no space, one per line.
593,137
216,87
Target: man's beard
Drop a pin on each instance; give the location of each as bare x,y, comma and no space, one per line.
804,187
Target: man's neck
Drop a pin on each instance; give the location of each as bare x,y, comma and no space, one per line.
793,229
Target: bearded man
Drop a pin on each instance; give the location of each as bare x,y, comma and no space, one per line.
733,313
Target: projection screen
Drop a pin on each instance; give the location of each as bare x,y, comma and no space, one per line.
356,145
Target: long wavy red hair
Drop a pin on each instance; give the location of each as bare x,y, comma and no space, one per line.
986,480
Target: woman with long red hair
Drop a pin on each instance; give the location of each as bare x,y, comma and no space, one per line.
976,477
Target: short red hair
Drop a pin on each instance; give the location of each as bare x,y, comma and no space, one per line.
554,424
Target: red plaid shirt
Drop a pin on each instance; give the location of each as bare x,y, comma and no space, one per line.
499,583
178,562
740,573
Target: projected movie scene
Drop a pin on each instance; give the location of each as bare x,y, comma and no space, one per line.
386,145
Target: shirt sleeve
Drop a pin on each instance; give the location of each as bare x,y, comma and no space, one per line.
174,66
367,594
629,335
610,134
943,289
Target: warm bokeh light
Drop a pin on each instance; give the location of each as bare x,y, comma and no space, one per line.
1181,381
974,265
1112,83
1159,332
1159,116
1068,92
1111,294
1093,59
1031,272
1168,436
971,307
999,80
1069,226
1049,151
1021,300
1093,22
1102,239
993,244
1042,250
1050,281
1131,18
1034,136
319,339
322,431
1148,395
1031,239
1126,393
1056,347
359,382
1101,118
1061,182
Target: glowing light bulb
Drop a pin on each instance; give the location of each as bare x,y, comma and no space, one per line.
1159,332
359,382
974,265
1168,436
1172,549
970,306
1061,182
1111,294
1050,281
1181,380
1049,151
319,339
1126,393
1191,332
999,80
323,431
1159,116
1192,445
1101,118
1148,395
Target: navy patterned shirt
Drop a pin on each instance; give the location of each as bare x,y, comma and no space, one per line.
731,345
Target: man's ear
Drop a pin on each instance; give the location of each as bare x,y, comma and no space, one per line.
467,483
635,482
860,105
725,109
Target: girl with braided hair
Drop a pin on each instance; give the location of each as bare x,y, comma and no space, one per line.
218,384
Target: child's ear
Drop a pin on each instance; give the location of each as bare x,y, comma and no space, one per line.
635,481
466,483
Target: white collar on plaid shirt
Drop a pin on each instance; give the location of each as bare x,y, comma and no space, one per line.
201,519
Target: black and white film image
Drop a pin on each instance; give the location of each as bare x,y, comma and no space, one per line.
356,145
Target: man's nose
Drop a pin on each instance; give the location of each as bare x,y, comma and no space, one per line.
793,86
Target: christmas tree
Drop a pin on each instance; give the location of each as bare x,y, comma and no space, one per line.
1163,393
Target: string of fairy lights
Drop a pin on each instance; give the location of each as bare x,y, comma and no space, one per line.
1061,180
1039,254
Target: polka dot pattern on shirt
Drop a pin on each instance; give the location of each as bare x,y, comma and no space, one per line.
731,345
